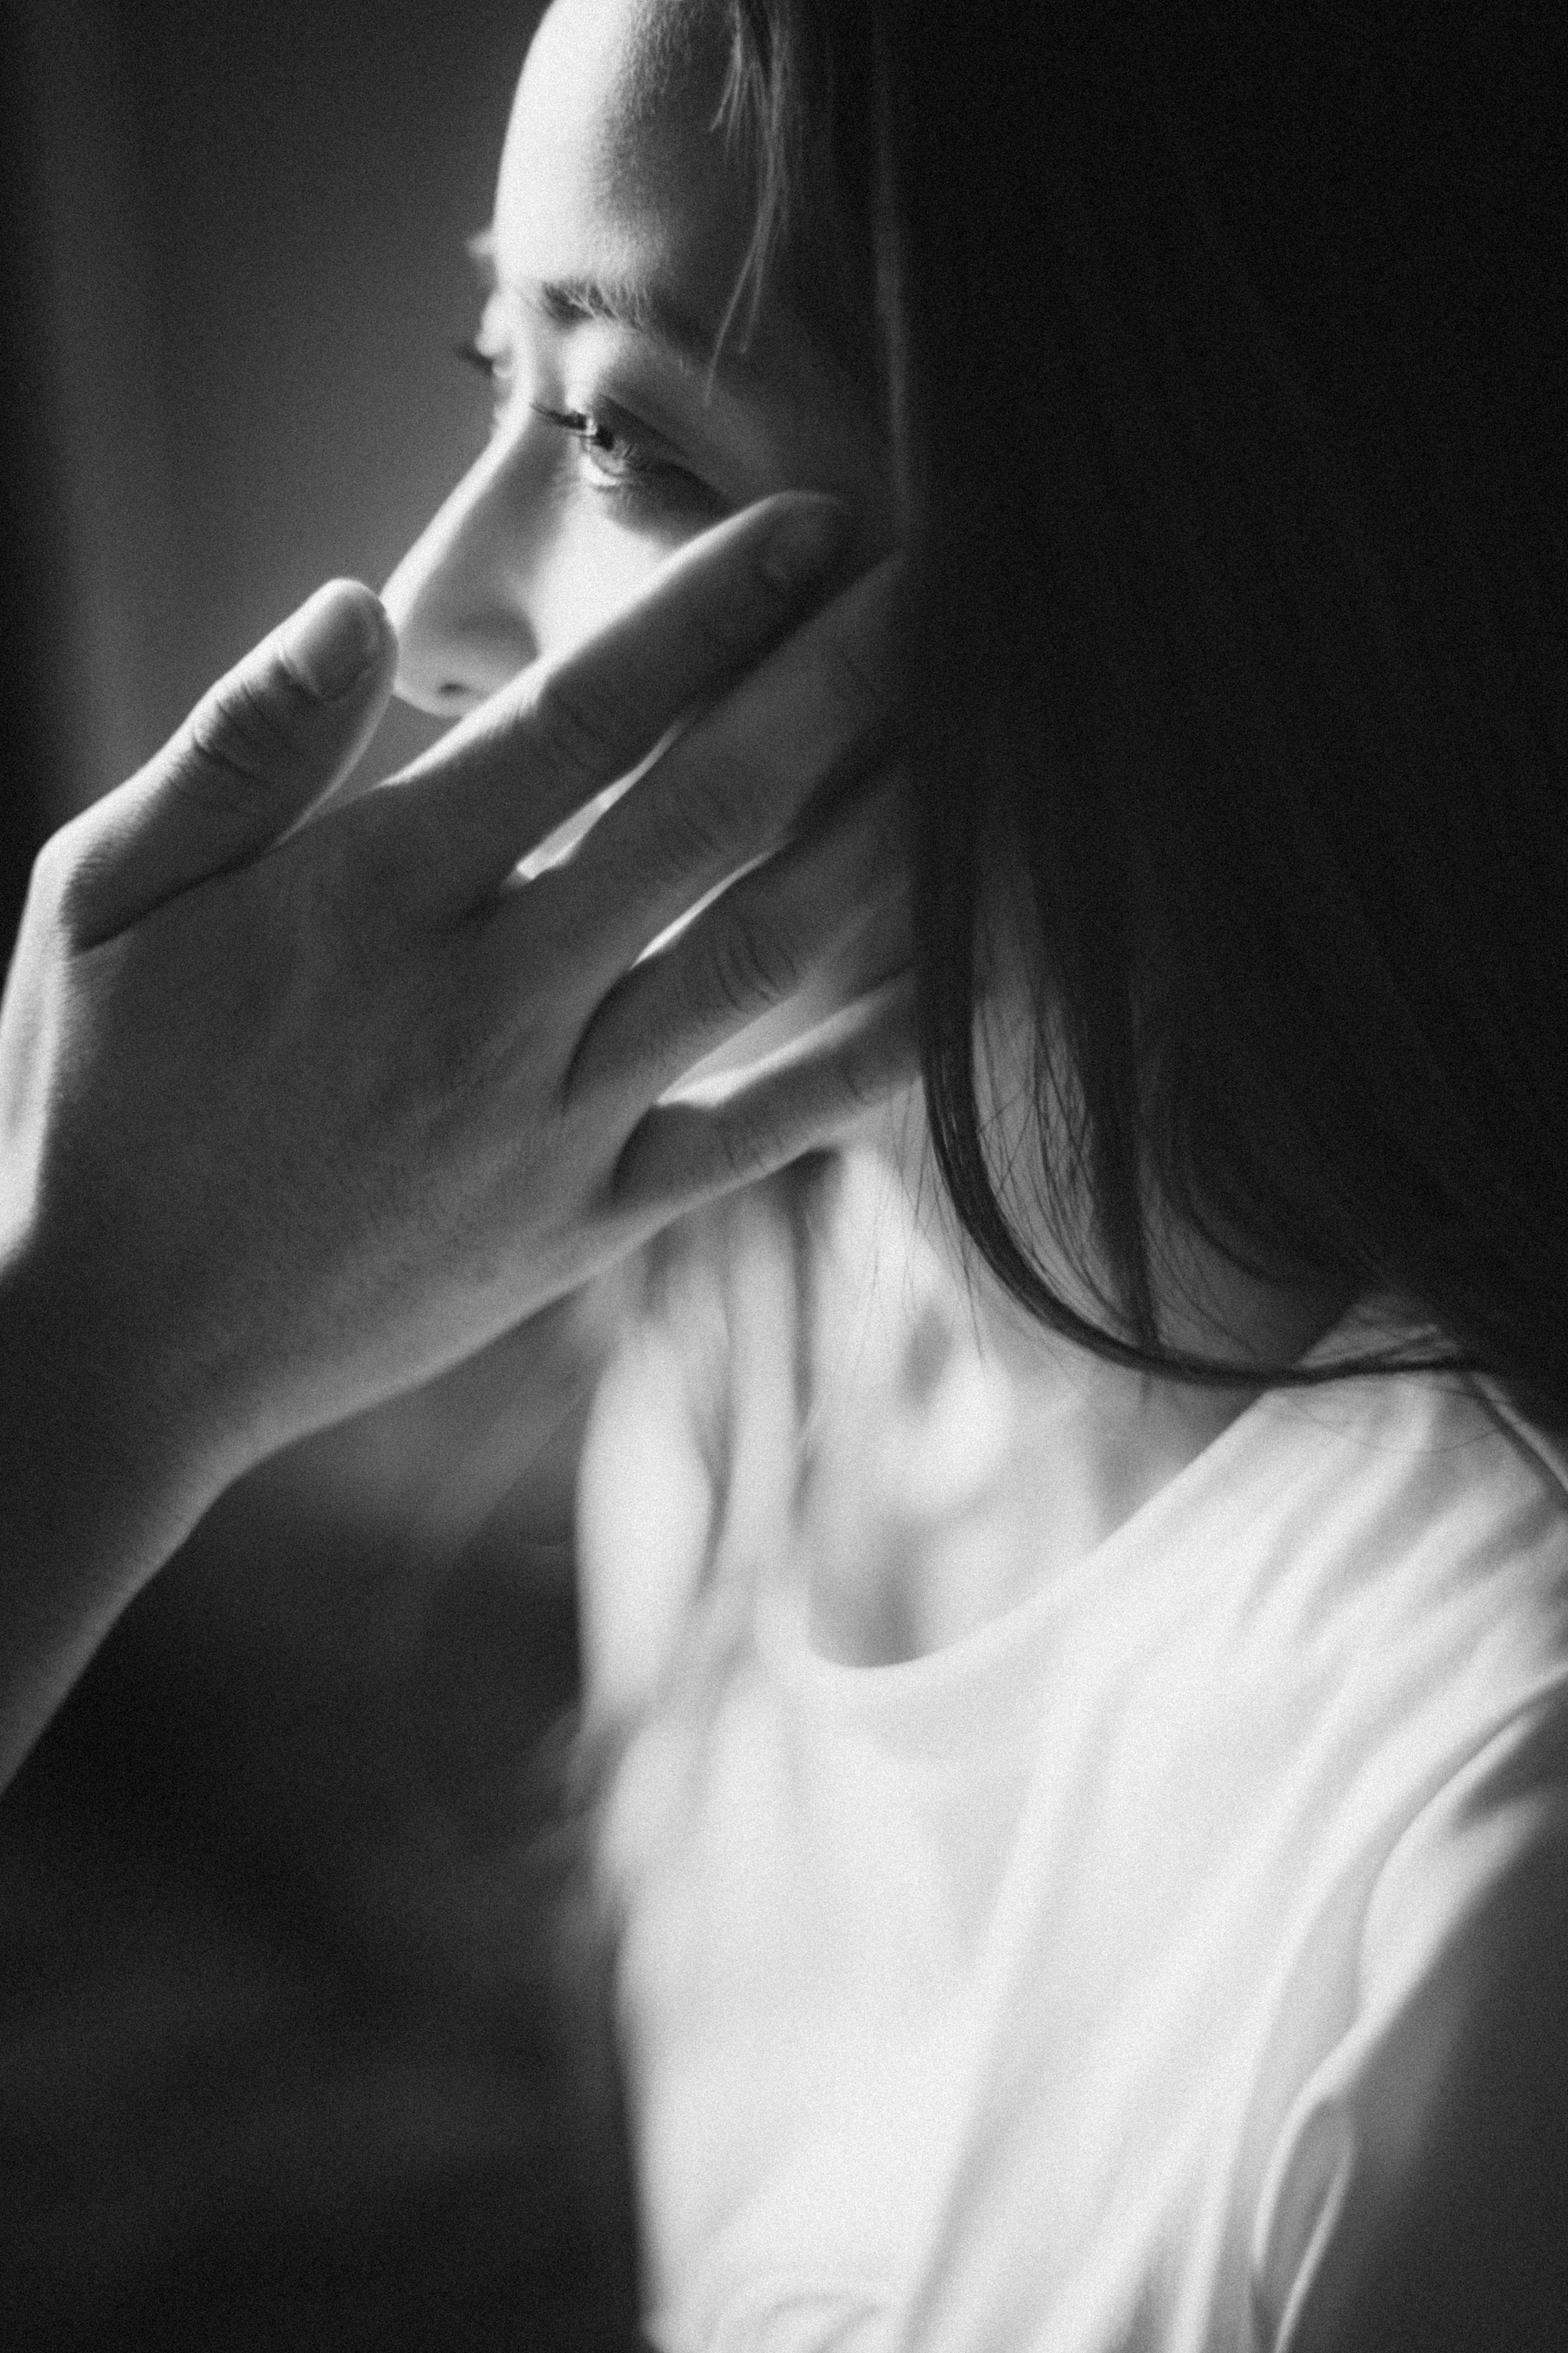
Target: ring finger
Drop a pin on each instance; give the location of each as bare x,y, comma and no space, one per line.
754,948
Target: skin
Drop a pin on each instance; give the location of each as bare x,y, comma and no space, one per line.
612,174
304,1099
613,177
415,1104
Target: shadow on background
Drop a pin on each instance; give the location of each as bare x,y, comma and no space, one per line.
244,228
297,2042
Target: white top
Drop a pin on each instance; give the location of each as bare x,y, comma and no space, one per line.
1093,1983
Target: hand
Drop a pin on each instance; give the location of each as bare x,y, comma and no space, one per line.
299,1108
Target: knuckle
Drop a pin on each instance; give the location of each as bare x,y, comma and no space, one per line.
735,1150
239,738
575,724
54,873
749,966
66,876
690,825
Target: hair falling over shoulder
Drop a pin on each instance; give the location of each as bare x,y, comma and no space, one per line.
1222,366
1219,368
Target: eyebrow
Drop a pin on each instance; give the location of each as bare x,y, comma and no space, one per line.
637,305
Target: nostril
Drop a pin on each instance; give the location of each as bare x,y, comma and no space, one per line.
443,697
451,698
452,663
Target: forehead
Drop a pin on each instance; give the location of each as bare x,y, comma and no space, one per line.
613,162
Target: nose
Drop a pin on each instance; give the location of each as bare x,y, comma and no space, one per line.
458,600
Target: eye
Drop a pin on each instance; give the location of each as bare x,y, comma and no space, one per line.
629,465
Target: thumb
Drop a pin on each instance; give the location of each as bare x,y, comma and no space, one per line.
258,750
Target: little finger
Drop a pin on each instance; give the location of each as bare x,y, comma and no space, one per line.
806,1097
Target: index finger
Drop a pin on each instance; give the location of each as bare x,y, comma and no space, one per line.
505,777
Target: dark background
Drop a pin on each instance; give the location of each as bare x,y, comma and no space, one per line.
237,231
287,2052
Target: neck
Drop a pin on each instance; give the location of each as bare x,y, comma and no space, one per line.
1092,1441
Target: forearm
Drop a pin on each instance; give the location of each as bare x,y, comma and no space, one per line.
95,1494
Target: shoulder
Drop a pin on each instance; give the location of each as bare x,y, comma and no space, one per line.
1423,2199
1420,1498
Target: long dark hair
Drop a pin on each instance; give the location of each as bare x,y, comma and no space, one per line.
1222,368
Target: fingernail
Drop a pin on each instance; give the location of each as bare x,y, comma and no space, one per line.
333,638
803,542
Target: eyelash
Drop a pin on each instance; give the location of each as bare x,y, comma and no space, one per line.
647,482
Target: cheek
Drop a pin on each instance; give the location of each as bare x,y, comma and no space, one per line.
586,569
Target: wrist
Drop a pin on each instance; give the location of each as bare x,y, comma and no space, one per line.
86,1379
99,1481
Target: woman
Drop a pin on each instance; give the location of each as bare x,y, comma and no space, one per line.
1046,1794
1083,1757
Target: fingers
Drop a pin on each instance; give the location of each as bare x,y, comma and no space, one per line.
754,949
809,1096
506,777
260,747
738,781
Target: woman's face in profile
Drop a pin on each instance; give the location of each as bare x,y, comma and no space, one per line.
621,225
